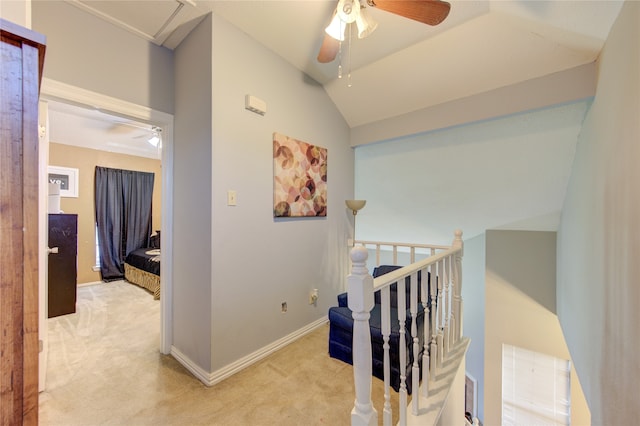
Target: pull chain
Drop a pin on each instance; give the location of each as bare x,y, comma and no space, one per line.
340,54
349,59
340,61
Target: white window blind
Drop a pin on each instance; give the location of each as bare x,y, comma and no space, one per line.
535,388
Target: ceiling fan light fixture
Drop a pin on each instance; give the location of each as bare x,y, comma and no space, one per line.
336,28
366,24
155,137
430,12
348,10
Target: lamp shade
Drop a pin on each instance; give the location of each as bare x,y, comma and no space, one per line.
355,205
366,24
347,11
336,28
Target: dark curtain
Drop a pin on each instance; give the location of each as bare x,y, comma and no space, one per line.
123,216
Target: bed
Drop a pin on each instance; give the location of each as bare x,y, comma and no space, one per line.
142,267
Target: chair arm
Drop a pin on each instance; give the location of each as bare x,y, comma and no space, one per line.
343,300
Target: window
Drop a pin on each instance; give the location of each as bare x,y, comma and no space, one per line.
97,264
470,395
535,388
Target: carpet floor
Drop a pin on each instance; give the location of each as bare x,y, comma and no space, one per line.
104,368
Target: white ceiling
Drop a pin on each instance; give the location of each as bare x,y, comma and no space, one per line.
90,128
404,65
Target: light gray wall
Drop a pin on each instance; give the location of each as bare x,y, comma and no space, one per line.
520,294
90,53
553,89
192,197
599,235
259,262
507,172
473,296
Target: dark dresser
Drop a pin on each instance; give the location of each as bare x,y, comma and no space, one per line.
63,270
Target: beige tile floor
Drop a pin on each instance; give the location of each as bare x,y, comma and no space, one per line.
104,368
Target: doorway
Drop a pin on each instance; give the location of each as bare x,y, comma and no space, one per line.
162,122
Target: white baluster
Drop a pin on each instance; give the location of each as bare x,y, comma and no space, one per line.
452,315
453,323
427,331
457,243
415,368
441,308
402,316
435,279
360,297
447,304
385,325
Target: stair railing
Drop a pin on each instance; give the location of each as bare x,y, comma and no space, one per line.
442,328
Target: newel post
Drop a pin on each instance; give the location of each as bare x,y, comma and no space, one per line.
457,285
360,300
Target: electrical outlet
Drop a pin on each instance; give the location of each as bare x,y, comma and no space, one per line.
284,307
313,296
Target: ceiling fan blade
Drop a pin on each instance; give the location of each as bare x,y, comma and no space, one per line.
329,49
430,12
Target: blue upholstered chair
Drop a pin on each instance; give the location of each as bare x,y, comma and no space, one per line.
341,331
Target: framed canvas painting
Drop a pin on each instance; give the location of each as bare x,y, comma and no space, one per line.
299,178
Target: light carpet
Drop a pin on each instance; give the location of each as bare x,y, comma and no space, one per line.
104,368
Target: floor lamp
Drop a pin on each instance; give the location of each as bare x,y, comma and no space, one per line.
355,205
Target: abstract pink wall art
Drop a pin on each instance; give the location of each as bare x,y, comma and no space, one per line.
299,178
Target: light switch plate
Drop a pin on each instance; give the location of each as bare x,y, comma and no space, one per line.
232,197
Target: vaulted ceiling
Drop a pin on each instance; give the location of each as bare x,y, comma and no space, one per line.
404,65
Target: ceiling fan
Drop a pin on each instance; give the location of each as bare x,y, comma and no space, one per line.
149,132
430,12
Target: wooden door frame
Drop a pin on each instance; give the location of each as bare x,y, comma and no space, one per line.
19,226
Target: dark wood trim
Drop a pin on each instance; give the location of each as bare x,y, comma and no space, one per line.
22,57
28,37
31,89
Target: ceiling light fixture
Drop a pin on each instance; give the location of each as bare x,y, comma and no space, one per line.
365,23
348,12
336,27
155,137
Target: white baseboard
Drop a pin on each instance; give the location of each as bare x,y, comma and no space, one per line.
211,379
194,368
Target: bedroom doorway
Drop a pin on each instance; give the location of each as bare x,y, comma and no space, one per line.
121,111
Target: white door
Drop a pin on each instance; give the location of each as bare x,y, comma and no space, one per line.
43,198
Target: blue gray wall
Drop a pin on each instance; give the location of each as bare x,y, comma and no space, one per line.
193,198
599,235
92,54
259,262
237,264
